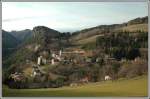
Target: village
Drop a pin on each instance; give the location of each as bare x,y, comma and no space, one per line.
47,60
57,57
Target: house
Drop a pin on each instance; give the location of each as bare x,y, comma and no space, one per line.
17,76
84,80
88,60
73,84
109,60
107,77
60,53
39,60
53,55
137,59
123,60
56,57
52,61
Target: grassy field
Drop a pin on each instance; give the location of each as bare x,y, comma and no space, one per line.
123,87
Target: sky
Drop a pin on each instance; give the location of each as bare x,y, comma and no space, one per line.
69,16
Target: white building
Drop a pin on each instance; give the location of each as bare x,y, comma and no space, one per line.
39,60
107,77
60,52
53,55
52,62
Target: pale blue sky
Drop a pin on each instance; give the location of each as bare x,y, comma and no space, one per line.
68,16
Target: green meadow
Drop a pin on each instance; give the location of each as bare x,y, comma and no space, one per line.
123,87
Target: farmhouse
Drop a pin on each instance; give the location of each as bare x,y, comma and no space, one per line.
17,76
107,77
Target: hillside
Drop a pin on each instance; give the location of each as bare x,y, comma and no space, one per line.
86,35
7,38
22,35
9,43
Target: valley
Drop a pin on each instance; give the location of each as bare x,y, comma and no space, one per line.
87,62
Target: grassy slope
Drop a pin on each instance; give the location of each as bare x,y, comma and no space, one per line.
131,87
130,28
88,40
137,27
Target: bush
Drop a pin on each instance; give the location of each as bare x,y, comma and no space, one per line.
133,53
132,69
115,67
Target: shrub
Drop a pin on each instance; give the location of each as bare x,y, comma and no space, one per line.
132,69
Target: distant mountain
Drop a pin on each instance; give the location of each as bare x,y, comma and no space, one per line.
22,35
9,43
90,34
